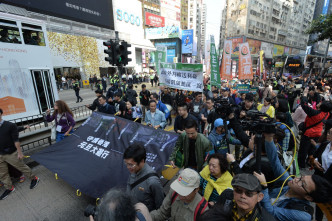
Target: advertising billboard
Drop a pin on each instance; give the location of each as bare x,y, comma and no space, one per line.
187,41
163,32
278,50
325,7
154,20
168,13
97,12
174,5
267,48
254,45
128,17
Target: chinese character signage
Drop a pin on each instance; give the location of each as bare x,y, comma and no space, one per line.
245,65
226,72
91,159
187,41
243,88
182,76
215,75
163,32
154,20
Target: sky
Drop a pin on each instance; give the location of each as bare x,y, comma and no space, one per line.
214,8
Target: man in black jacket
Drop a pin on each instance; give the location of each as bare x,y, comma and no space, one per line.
167,99
105,107
10,152
131,95
184,116
241,203
76,88
95,103
120,105
144,97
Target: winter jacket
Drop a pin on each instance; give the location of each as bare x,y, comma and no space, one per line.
202,147
219,141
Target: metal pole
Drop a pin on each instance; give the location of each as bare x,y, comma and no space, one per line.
324,62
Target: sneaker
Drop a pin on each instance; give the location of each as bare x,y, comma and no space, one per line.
22,179
34,182
6,193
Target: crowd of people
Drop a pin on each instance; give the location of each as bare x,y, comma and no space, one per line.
222,175
220,184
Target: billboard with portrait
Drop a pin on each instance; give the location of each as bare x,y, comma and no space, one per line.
254,46
187,41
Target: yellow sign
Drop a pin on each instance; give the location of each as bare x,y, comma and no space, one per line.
279,64
294,65
242,6
85,82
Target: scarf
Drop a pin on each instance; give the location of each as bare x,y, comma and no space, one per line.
219,185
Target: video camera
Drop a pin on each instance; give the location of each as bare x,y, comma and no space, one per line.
222,107
258,122
91,210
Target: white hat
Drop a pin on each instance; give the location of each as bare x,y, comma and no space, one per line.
187,181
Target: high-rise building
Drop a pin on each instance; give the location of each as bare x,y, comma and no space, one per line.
278,22
203,27
223,27
322,7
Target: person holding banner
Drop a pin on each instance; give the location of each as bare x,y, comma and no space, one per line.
64,119
154,117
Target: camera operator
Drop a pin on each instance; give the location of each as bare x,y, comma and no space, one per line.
294,202
219,138
117,205
246,105
225,94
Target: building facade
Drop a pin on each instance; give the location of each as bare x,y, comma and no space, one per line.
277,22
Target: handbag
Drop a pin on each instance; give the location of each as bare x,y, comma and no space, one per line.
53,132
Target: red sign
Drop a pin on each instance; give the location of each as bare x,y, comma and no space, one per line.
154,20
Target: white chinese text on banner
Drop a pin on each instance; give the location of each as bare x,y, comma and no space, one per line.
245,64
215,75
226,72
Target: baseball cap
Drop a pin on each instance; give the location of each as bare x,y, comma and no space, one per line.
247,181
219,122
187,181
225,89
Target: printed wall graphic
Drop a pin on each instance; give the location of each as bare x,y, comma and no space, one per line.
81,50
154,20
254,46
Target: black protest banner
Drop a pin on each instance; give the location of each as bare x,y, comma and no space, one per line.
91,158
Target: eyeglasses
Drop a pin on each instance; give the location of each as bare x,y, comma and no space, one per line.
129,165
302,184
246,192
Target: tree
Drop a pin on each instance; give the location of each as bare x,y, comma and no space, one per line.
321,26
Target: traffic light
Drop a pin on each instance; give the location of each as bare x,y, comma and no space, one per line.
119,54
109,51
127,52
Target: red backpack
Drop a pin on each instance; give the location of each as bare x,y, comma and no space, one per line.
201,206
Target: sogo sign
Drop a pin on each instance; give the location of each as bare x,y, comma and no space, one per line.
128,18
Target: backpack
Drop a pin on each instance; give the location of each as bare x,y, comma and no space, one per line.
201,206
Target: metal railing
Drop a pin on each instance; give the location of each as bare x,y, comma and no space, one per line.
38,122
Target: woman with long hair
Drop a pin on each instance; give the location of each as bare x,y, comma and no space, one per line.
64,119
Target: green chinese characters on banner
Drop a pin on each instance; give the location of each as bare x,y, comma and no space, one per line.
160,57
215,75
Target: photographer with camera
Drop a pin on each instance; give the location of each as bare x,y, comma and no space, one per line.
294,202
220,139
117,205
